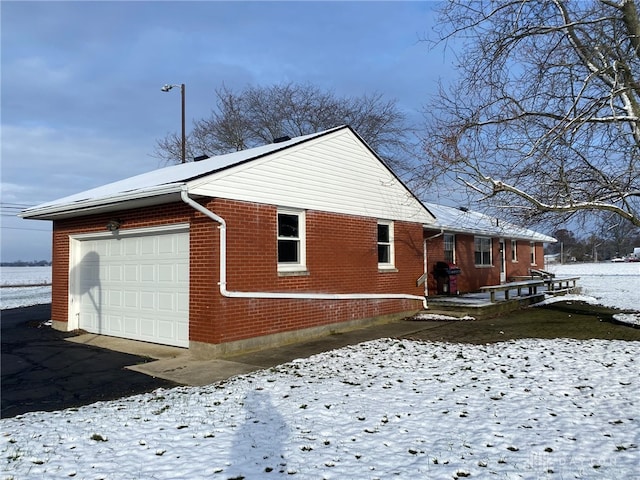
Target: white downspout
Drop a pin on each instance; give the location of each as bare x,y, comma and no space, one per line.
289,295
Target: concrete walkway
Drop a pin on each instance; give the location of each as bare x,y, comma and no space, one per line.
177,365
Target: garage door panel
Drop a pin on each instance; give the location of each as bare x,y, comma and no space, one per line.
182,274
130,247
148,327
148,273
148,301
166,329
131,273
166,245
166,273
182,304
115,273
115,298
136,287
166,302
114,324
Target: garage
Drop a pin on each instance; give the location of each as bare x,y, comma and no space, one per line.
133,285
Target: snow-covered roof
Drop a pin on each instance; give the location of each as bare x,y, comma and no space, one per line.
159,183
334,171
458,220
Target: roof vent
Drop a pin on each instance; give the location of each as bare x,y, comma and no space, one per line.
285,138
463,209
200,157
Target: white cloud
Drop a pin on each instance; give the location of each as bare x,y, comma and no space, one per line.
43,163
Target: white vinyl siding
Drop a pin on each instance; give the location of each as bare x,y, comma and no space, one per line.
334,173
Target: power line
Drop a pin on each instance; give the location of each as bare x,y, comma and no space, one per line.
14,205
20,228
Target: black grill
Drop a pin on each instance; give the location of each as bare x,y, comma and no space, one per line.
446,269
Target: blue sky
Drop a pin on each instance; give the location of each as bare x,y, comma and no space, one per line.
81,100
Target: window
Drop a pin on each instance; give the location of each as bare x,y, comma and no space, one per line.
385,244
291,241
514,251
483,251
533,252
449,248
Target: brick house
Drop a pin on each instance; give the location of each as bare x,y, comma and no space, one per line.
274,244
488,250
240,251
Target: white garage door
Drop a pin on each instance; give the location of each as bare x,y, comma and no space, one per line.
135,287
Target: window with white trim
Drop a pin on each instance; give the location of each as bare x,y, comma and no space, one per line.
533,252
514,251
482,251
385,244
291,241
449,241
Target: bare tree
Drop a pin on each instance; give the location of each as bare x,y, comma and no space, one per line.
545,116
258,115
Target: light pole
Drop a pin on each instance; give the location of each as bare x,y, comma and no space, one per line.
166,88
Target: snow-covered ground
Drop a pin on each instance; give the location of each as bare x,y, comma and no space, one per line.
24,276
12,296
532,409
610,284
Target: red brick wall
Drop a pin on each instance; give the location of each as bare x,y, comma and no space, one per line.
341,258
473,277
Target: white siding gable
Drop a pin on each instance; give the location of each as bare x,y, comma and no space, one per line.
334,173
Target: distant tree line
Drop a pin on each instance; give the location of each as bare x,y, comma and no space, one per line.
22,263
614,241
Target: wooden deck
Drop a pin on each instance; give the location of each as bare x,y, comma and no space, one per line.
480,305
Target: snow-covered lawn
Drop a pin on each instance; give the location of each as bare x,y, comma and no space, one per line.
610,284
532,409
12,296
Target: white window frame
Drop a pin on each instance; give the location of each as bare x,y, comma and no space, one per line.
453,245
475,250
390,265
514,251
301,264
533,253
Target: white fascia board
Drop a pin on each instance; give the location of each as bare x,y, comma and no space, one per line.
123,201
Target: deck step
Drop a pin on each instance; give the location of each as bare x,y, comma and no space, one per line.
479,307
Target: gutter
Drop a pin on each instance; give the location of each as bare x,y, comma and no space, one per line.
280,295
52,211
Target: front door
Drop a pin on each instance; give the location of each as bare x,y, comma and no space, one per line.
503,261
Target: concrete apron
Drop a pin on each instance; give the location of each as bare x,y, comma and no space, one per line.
170,363
179,365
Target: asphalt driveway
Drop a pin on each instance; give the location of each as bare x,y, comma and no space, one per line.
41,371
